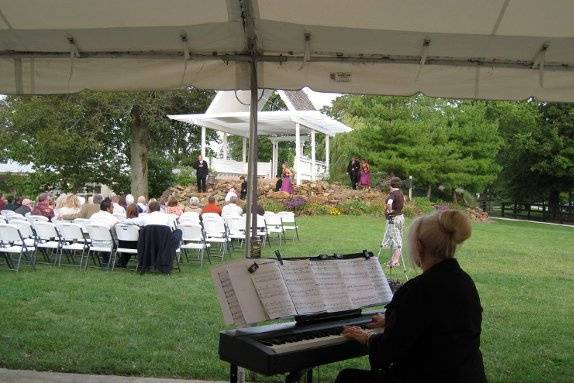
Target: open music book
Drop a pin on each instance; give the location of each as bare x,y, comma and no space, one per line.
271,289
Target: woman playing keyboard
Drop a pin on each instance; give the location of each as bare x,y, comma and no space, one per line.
432,325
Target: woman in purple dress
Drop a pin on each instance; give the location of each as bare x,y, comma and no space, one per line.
365,175
287,176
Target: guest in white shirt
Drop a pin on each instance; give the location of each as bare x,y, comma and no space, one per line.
155,217
130,199
104,216
143,207
230,193
119,210
232,208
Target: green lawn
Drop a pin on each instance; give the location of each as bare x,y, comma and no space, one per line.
62,319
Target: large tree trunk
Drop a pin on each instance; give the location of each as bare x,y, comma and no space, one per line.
554,205
139,147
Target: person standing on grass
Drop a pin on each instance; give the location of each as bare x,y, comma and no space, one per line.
201,173
393,237
353,170
433,323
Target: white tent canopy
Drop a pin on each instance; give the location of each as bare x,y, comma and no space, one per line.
492,49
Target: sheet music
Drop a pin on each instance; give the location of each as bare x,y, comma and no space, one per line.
249,301
331,285
379,280
228,299
272,291
302,286
358,282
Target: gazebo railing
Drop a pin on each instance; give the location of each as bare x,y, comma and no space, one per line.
306,169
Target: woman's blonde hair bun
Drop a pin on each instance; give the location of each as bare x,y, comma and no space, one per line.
455,224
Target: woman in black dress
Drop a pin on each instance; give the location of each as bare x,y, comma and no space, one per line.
432,325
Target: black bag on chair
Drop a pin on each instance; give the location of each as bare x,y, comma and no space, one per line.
157,247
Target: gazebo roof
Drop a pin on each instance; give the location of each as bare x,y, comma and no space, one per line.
278,123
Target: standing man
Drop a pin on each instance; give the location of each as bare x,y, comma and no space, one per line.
202,170
353,169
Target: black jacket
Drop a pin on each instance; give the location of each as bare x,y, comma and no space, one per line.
354,168
156,248
432,331
201,170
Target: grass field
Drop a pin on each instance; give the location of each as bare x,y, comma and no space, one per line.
61,319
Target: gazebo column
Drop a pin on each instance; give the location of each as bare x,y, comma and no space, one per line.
327,154
297,154
275,159
203,141
225,148
313,167
244,150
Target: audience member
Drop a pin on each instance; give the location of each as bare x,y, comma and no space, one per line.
211,207
130,199
142,206
119,210
70,206
194,205
43,206
232,208
132,211
105,217
25,207
10,202
87,209
2,202
230,193
243,192
173,206
154,217
14,204
122,202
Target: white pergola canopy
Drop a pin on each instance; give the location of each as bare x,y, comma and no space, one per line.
276,124
491,49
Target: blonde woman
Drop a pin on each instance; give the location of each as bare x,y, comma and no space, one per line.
287,178
432,325
71,205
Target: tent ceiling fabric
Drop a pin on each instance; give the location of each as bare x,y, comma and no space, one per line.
276,123
493,49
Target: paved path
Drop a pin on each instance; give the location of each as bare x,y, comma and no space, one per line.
26,376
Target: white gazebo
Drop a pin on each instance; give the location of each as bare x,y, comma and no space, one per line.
301,122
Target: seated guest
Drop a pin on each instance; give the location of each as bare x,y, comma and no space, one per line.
43,206
132,211
25,207
211,207
17,202
130,199
11,203
432,325
104,216
2,202
232,208
194,205
142,206
87,209
119,210
230,193
155,217
173,207
71,205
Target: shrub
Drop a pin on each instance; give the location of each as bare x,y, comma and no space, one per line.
354,207
314,208
271,205
423,204
335,211
185,176
294,203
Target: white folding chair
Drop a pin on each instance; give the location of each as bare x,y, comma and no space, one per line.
289,223
2,220
205,216
262,230
73,242
216,232
268,213
101,242
274,225
8,213
12,242
126,233
47,239
190,217
35,218
193,238
236,228
26,231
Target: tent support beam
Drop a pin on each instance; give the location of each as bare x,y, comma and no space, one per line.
313,160
327,154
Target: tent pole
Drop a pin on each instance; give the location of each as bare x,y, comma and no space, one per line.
313,154
297,154
203,141
244,150
225,146
327,154
251,215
